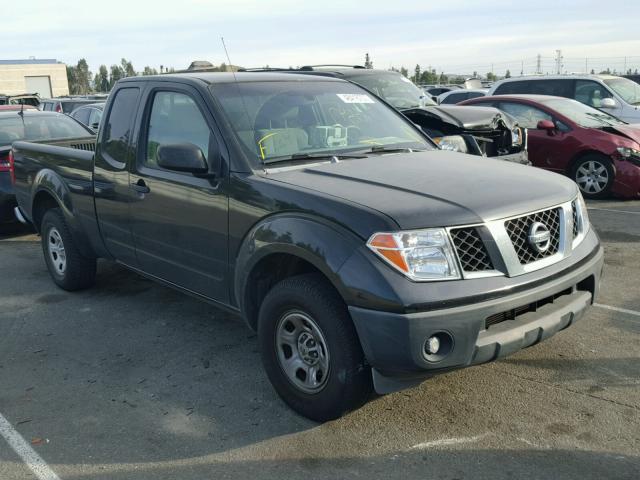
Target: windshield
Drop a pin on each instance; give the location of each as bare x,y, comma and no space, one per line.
39,127
582,114
627,89
396,89
281,120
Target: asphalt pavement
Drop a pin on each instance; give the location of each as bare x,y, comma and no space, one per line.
131,380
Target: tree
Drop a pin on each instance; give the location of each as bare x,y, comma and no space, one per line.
491,77
79,78
443,78
367,61
101,80
416,77
592,71
127,68
507,74
404,72
116,74
149,71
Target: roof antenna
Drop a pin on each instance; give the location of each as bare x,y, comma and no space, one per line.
237,84
21,112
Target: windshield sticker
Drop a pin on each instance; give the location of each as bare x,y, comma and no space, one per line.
355,98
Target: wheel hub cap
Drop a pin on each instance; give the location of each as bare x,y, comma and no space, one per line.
302,352
592,177
56,251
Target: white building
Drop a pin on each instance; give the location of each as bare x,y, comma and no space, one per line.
46,77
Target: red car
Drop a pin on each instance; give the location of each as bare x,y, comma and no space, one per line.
598,151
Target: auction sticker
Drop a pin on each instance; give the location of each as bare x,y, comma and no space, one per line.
355,98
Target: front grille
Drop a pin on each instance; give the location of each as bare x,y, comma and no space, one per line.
574,212
518,231
471,250
516,312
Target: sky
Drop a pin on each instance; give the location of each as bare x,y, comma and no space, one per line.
452,36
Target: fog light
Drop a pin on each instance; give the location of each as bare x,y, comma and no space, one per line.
432,345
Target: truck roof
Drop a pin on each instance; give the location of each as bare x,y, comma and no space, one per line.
228,77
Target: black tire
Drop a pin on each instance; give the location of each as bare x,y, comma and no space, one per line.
592,190
348,384
79,272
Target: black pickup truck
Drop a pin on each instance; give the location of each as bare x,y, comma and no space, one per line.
364,256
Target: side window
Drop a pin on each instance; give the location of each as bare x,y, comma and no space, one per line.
94,117
557,88
175,118
527,116
118,128
475,94
512,87
82,115
590,92
455,98
48,106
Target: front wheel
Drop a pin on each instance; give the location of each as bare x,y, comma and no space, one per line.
310,349
594,175
68,268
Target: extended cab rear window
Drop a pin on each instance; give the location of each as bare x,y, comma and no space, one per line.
39,127
117,132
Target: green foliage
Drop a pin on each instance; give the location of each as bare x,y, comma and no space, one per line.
79,78
149,71
492,77
367,61
507,74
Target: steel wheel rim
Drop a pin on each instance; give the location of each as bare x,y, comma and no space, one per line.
592,177
302,352
55,247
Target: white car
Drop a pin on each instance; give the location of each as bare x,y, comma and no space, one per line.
617,96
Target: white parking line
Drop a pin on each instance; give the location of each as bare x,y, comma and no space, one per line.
28,455
617,309
448,441
612,210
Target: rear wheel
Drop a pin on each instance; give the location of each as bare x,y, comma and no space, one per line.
594,175
310,349
68,268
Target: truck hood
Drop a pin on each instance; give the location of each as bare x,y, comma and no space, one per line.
434,188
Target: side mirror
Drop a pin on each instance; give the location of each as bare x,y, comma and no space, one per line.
608,103
182,157
547,125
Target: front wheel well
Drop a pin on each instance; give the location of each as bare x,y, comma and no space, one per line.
265,274
42,202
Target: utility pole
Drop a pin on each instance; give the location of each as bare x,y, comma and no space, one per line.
522,68
539,65
559,62
625,65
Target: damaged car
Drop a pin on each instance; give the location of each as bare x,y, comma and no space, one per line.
487,131
598,151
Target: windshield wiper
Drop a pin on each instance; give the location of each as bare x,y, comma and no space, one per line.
384,149
311,156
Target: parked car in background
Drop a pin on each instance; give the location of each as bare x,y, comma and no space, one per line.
24,99
633,77
16,108
617,96
89,115
489,132
68,104
598,151
435,92
456,96
28,124
363,256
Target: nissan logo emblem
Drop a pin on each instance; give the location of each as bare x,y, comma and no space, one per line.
539,237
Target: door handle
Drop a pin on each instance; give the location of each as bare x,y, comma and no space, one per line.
140,186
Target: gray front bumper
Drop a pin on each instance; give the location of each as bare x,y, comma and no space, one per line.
393,343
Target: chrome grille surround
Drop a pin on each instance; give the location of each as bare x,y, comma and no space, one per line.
502,253
518,230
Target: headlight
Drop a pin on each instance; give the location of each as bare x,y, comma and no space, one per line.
630,154
516,137
583,215
454,143
419,254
